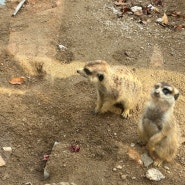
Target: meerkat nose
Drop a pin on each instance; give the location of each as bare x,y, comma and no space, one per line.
77,71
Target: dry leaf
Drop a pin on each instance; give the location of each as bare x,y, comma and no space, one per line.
134,155
17,81
120,2
125,9
179,27
75,148
158,2
2,161
165,19
176,14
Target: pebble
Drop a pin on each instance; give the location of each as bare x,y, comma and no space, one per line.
147,160
119,167
166,168
123,177
114,169
154,174
2,162
7,149
46,174
62,183
132,144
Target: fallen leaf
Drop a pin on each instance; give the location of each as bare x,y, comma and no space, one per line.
125,9
45,157
120,3
2,161
179,27
176,14
17,81
158,2
134,155
75,148
156,10
165,19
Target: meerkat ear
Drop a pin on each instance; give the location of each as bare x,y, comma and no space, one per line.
100,77
176,96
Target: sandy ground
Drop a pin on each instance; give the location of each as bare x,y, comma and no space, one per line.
56,104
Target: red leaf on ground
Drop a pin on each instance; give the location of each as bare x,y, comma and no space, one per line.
17,81
45,157
157,2
75,148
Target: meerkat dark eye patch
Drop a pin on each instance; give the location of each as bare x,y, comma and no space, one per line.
166,91
156,86
100,77
176,96
87,71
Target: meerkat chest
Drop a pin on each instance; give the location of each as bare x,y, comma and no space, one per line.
157,116
108,91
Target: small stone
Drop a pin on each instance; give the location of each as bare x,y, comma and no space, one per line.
123,177
132,144
46,174
114,169
28,183
119,167
7,149
166,168
154,174
63,183
147,160
133,178
2,162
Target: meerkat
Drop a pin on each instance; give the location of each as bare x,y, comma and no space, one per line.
115,85
158,128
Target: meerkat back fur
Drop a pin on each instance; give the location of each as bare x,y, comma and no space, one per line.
158,127
115,85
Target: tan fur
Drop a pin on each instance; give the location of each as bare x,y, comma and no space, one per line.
158,127
115,85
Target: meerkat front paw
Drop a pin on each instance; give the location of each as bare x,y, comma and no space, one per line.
126,114
96,111
158,162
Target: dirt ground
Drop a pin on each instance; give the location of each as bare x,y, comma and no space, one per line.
56,104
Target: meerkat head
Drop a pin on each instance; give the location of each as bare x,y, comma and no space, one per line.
95,71
164,92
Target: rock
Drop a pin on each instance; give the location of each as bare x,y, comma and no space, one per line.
119,167
166,168
123,177
28,183
46,173
114,169
7,149
147,160
2,162
154,174
62,183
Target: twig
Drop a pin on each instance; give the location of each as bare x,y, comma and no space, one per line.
18,7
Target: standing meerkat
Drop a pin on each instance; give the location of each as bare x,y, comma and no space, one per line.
115,85
158,127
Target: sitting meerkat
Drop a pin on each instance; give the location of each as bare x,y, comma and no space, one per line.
115,85
158,127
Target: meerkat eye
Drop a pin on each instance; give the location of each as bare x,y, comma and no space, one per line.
166,91
87,71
